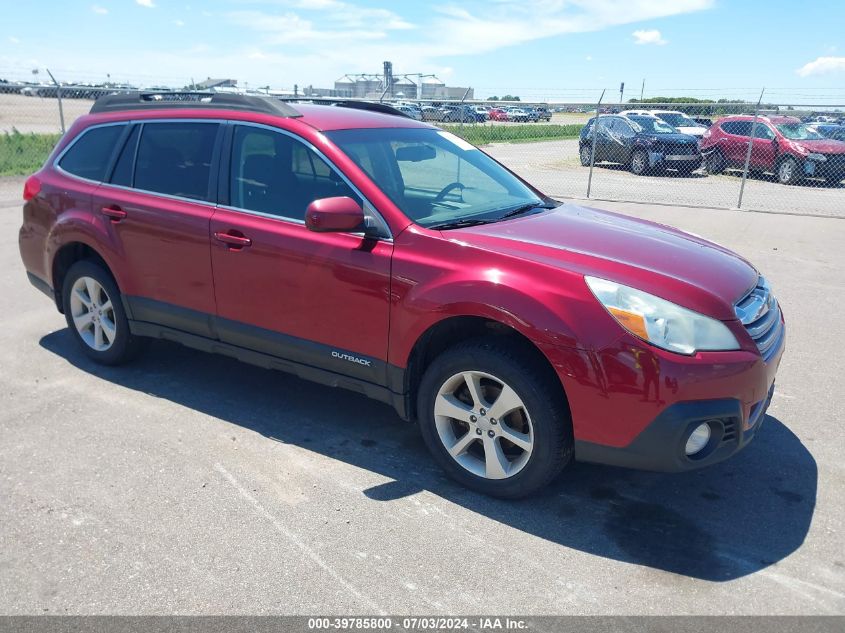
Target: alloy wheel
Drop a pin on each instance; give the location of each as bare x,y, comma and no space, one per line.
484,425
93,314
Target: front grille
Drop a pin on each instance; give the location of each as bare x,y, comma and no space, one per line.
680,149
759,312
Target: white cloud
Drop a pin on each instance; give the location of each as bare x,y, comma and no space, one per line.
648,36
98,9
146,3
178,23
14,40
821,66
588,58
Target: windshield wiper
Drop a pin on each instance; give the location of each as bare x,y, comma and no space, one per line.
525,208
459,224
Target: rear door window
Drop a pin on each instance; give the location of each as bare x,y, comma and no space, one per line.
90,155
175,159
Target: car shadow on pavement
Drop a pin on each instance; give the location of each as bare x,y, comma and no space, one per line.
717,524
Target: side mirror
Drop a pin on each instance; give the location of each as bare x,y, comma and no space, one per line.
339,214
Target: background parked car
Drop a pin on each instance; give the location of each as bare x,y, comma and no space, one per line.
544,114
414,113
678,120
517,114
430,113
498,114
781,145
836,132
643,143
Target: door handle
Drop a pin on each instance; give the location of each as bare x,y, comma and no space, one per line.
114,213
234,239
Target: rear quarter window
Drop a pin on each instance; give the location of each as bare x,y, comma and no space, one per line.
89,156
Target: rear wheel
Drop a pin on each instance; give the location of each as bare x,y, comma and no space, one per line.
788,171
493,420
95,315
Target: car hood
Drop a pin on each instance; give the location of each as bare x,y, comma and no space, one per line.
824,146
659,259
670,138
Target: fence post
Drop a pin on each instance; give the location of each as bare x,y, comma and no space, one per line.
593,151
748,151
463,113
59,97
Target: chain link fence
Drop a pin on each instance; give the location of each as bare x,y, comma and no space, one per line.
775,157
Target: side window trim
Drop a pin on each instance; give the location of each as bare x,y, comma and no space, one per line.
369,207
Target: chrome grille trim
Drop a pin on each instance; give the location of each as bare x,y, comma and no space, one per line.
759,312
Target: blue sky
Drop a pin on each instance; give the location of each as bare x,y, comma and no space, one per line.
559,49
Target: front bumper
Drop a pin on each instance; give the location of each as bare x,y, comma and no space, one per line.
660,447
634,405
672,160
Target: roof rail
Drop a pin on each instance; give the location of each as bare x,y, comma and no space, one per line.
192,100
369,106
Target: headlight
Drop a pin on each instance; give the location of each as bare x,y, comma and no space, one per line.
816,157
661,322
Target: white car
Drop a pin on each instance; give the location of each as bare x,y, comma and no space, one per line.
677,120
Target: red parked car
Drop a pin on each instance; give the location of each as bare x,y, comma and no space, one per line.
365,250
497,114
782,145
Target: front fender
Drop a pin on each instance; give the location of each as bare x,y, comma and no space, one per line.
434,280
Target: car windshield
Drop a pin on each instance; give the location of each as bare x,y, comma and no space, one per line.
799,132
436,178
677,119
652,125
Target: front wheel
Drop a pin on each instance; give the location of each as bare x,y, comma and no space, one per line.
715,163
788,171
639,162
95,315
585,153
493,420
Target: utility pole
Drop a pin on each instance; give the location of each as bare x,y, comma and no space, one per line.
642,90
621,91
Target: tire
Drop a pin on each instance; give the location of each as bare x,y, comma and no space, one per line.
486,460
715,163
639,163
788,171
93,308
686,170
585,153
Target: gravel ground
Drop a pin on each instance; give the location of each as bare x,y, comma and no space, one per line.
193,484
554,167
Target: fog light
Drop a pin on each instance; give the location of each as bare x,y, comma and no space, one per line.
698,439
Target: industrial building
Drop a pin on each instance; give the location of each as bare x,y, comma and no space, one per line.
406,85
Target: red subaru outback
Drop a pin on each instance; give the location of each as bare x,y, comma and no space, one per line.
362,249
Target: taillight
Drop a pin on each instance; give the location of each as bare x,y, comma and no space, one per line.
31,188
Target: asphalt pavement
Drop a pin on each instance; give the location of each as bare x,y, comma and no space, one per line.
193,484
